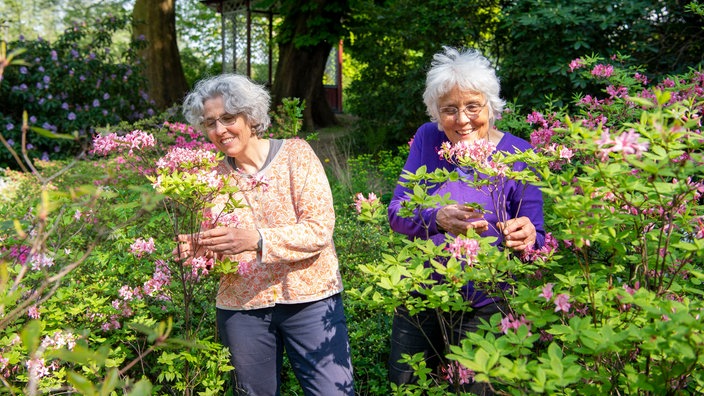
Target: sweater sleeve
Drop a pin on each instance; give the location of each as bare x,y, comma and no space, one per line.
423,151
311,198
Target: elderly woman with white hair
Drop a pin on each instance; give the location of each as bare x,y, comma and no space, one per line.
288,298
462,99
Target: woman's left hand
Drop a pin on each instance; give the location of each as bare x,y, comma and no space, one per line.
519,233
228,241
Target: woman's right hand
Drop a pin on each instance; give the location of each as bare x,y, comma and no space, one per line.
185,247
458,219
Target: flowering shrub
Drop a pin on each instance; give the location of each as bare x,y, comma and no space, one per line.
612,304
70,87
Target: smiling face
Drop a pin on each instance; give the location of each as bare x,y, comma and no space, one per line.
233,140
461,126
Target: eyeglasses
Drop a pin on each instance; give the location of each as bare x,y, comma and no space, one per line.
471,111
210,124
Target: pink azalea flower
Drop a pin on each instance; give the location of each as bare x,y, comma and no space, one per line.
142,246
33,312
464,248
562,303
456,373
360,199
547,291
576,64
602,70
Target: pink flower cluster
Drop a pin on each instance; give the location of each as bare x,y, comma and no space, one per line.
181,159
545,129
360,199
626,143
576,64
185,136
160,278
113,143
543,253
200,267
464,248
41,260
602,70
562,301
509,322
456,373
255,181
462,153
222,220
142,246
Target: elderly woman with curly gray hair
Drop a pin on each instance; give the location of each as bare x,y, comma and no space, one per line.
463,102
288,299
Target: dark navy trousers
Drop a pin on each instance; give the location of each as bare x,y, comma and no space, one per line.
314,336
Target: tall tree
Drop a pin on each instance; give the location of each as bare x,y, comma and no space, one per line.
155,21
306,36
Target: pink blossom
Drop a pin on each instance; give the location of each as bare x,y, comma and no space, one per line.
562,303
37,368
360,200
576,64
700,228
33,312
456,373
464,248
128,294
627,143
602,70
566,153
547,291
41,260
462,153
142,246
160,278
631,290
548,248
641,78
509,322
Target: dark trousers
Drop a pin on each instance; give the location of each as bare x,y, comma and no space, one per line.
314,336
431,333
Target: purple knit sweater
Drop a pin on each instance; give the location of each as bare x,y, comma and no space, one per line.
521,200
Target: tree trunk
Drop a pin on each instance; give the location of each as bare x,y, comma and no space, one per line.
299,74
155,21
308,31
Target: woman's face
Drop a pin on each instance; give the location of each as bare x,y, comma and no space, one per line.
464,116
234,139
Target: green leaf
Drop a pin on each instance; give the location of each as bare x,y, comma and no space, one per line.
81,383
30,336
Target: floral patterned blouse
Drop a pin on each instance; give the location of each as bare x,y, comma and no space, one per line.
289,201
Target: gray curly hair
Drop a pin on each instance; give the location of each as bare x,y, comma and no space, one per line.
240,95
466,69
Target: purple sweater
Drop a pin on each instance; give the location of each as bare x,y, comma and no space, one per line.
424,151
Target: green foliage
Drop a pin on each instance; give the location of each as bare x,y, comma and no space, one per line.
287,119
538,39
70,87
